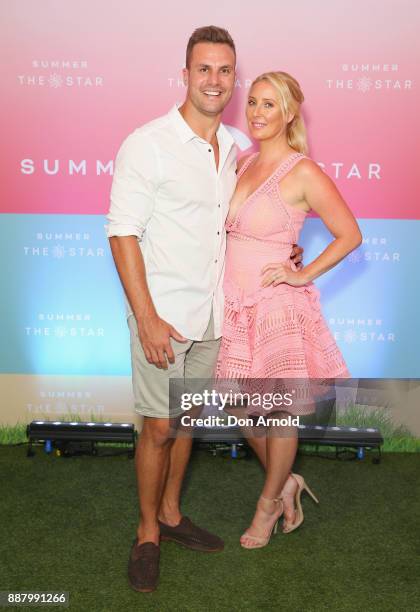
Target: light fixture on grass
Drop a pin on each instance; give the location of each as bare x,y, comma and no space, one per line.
62,433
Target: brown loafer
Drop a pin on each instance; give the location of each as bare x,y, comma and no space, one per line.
189,535
143,567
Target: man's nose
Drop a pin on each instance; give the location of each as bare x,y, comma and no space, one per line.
213,78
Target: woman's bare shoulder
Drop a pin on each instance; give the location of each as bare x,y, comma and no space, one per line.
307,168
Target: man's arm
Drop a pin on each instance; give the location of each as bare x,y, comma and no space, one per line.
154,332
133,198
297,256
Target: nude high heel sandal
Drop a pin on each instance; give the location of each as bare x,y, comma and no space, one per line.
260,541
302,486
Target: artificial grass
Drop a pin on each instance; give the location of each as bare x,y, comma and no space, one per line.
67,524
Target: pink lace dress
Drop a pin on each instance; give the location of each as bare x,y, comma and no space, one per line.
272,332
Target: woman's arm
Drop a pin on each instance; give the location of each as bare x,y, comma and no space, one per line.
322,196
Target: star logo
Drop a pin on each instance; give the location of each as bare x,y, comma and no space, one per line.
60,332
350,336
364,84
355,257
59,251
55,80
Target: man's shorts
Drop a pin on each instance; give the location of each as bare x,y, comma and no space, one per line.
194,359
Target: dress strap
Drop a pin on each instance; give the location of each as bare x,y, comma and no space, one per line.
245,165
283,169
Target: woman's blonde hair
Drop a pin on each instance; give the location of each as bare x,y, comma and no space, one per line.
291,97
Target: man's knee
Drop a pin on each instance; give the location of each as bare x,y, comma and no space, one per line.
157,431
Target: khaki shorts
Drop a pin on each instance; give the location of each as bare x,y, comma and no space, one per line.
193,360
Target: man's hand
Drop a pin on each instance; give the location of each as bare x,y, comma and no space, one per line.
297,256
154,334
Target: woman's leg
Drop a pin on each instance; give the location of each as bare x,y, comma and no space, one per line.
257,438
281,447
259,444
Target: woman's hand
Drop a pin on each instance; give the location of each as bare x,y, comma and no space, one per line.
276,273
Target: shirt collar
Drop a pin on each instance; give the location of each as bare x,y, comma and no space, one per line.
186,133
183,129
225,138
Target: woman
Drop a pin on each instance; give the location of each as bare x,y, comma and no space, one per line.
273,325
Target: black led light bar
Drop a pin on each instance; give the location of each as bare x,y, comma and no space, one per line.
340,435
76,431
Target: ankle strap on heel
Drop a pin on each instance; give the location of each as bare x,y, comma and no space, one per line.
277,500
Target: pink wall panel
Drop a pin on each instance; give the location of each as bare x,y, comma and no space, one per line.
119,65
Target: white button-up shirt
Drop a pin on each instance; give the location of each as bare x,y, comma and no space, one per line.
168,192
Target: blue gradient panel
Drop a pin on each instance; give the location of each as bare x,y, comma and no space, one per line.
371,299
63,310
62,307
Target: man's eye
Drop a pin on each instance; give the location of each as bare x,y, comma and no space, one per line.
269,105
250,102
226,70
203,69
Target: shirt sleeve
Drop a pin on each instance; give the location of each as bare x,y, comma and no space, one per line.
134,186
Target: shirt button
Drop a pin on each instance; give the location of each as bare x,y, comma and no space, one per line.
218,206
209,150
215,261
218,233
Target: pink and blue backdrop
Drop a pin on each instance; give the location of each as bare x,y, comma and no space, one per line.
78,77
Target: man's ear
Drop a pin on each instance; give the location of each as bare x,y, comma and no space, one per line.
185,73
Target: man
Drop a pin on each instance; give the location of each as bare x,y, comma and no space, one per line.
173,181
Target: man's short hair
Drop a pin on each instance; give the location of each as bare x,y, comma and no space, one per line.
211,34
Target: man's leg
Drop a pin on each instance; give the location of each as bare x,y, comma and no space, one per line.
169,512
152,461
200,362
150,387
